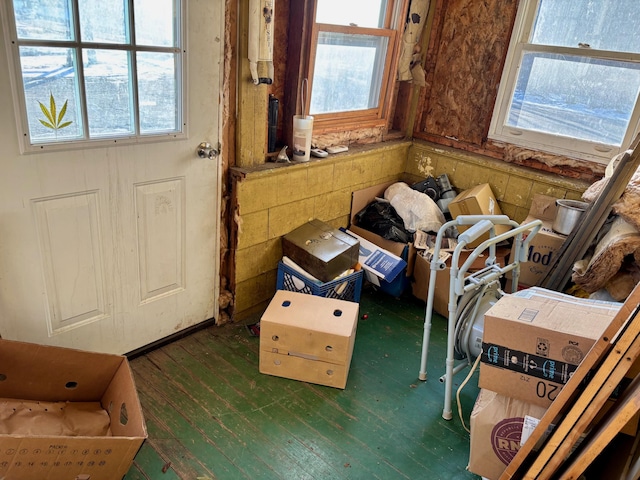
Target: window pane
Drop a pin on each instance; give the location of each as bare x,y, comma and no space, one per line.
603,25
361,13
103,22
107,80
347,72
155,20
46,72
43,19
572,96
157,91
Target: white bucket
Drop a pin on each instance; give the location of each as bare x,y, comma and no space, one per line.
302,131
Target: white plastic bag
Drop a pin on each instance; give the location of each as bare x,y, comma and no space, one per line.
417,210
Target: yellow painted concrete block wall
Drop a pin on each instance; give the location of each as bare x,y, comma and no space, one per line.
513,186
274,201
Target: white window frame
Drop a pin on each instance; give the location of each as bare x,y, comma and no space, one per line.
13,45
556,144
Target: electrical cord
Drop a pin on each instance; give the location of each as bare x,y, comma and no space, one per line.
462,385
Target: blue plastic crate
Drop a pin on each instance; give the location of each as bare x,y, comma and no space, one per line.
345,288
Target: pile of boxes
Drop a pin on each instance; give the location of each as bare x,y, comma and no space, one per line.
307,332
331,263
532,343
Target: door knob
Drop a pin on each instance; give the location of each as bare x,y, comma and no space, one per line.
206,150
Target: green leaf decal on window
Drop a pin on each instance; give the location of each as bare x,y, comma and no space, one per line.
53,119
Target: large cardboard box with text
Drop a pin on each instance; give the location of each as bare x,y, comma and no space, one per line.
39,373
497,423
501,424
359,200
308,338
533,344
544,246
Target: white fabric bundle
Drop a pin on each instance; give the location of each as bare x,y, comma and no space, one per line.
417,210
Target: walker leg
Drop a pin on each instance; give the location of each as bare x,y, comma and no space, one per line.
448,380
425,346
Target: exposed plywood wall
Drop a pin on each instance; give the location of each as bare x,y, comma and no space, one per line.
464,65
466,47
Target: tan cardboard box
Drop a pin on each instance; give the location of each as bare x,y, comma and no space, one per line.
359,200
54,374
531,346
496,430
544,246
422,274
498,425
308,338
478,200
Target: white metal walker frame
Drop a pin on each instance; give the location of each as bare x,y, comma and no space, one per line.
460,283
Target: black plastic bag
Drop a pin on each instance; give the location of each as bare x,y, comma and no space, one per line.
381,218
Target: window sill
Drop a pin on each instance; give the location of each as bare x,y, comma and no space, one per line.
355,150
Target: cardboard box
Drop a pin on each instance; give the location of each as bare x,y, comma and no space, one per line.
422,274
531,346
501,424
478,200
359,200
544,246
323,251
497,423
54,374
308,338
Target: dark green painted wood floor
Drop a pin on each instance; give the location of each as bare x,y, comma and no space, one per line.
211,414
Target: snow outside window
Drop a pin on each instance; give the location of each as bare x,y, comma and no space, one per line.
571,79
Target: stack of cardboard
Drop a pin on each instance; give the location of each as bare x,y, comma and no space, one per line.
307,332
586,431
533,342
308,338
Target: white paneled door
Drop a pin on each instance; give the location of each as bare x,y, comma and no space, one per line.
112,248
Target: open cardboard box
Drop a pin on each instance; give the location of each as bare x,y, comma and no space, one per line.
53,374
359,200
422,274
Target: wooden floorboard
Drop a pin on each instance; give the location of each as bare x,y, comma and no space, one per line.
210,414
